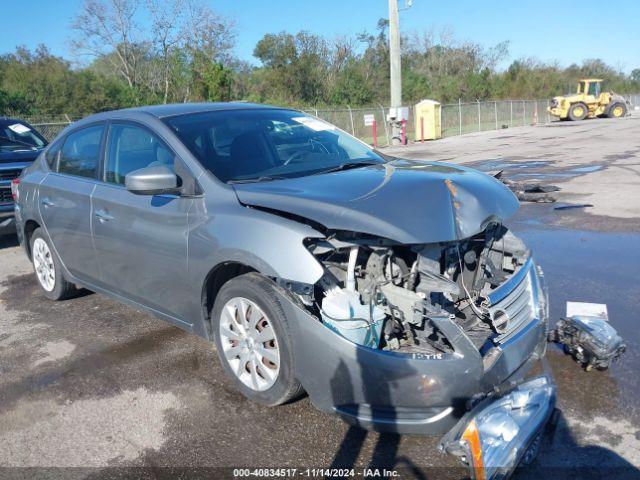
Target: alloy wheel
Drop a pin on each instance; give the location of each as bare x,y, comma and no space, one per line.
43,264
249,344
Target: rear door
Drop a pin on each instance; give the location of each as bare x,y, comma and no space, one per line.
65,200
140,240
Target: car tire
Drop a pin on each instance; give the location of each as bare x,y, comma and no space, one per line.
238,338
617,110
578,111
48,268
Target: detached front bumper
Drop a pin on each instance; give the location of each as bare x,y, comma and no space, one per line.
413,393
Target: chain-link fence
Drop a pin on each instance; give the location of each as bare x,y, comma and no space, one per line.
461,118
48,125
457,118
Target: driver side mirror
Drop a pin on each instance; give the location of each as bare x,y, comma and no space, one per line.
156,180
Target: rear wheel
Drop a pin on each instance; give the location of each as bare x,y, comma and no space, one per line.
578,111
49,269
617,110
254,341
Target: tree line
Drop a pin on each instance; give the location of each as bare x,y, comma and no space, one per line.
137,52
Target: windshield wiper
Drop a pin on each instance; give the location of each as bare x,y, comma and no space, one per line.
346,166
18,142
258,179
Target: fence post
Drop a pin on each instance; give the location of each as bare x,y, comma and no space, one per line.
460,115
548,114
495,109
353,130
479,117
524,113
68,119
386,127
316,111
374,131
511,117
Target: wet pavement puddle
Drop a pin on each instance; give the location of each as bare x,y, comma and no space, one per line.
590,267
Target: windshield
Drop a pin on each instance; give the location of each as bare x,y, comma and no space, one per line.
17,136
264,144
581,87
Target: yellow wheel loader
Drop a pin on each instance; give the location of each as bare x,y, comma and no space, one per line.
589,102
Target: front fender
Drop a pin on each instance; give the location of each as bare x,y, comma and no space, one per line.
269,244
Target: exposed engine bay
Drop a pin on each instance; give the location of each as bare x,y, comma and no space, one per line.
384,295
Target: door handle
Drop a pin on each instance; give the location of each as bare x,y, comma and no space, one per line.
103,216
47,203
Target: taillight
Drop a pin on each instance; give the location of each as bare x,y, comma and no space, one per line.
14,189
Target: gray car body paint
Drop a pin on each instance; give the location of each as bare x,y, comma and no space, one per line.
405,201
402,200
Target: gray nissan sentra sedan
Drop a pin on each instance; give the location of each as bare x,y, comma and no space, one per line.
389,290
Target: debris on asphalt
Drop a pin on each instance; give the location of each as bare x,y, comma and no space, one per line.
586,334
571,206
527,191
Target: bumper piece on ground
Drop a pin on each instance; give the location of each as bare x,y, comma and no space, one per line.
501,433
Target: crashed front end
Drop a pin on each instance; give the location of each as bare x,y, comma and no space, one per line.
405,335
427,303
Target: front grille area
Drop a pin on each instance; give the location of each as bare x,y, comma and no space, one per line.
518,304
8,175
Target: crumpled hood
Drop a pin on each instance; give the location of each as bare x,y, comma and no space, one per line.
411,202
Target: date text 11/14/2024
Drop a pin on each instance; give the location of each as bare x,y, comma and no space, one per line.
315,472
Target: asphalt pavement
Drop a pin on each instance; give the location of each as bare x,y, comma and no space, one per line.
89,386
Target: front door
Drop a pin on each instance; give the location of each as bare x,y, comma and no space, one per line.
65,201
140,240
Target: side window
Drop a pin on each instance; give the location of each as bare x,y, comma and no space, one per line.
130,148
81,152
52,156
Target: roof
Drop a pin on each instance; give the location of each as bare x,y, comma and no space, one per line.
591,80
172,109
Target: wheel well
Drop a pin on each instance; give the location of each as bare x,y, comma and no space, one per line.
29,227
214,282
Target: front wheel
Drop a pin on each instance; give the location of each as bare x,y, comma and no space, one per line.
49,269
617,110
253,340
578,111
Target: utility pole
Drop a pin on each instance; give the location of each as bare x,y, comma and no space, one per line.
396,75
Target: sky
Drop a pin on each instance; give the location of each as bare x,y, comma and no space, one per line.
548,30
